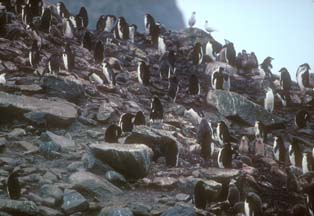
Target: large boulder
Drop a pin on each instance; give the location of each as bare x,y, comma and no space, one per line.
179,211
231,104
54,113
132,161
64,87
19,207
93,185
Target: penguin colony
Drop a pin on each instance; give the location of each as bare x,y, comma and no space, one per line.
210,138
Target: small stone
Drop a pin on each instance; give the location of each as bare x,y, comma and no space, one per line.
181,197
74,202
16,133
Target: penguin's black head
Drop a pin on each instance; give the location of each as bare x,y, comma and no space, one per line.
121,20
221,69
283,70
306,65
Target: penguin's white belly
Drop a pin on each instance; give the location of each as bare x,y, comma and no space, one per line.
139,76
30,59
220,164
97,79
120,33
246,209
305,165
276,154
292,159
209,51
226,85
68,31
269,102
212,148
65,61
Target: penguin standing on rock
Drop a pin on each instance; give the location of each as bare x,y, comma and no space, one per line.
110,23
45,21
84,15
62,10
143,73
200,195
13,186
223,133
197,54
112,134
192,20
109,74
279,149
173,88
132,32
303,76
307,162
126,122
285,80
122,29
101,23
260,130
295,154
194,85
34,55
149,23
87,40
217,79
309,192
54,64
269,100
68,29
139,118
244,147
204,138
225,157
99,52
266,67
230,53
26,15
68,58
233,194
302,117
253,205
156,110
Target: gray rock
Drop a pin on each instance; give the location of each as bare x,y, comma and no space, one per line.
106,112
19,207
179,211
56,113
219,174
139,209
116,212
64,142
16,133
231,104
132,161
181,197
64,87
52,191
164,182
45,211
50,149
94,185
74,202
115,178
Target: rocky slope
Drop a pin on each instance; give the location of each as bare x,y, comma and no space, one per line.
52,133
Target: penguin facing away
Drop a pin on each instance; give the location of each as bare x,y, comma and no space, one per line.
87,40
45,21
149,23
204,138
269,100
302,117
197,54
112,134
194,85
173,88
99,52
285,79
139,118
13,186
217,79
